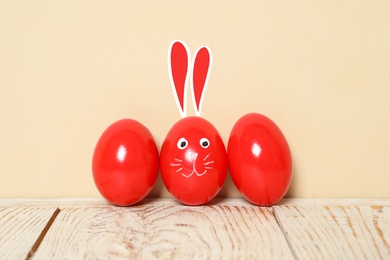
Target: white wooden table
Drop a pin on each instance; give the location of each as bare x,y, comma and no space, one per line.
223,229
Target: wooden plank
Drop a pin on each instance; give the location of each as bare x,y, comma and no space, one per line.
333,202
165,231
52,202
20,228
88,202
336,232
100,202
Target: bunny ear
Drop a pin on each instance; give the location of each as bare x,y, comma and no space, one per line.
200,76
178,66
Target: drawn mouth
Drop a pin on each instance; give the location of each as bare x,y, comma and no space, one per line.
194,171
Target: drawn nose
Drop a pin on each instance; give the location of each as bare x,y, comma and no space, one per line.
191,156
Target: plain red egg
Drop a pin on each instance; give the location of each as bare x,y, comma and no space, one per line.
193,161
259,159
125,162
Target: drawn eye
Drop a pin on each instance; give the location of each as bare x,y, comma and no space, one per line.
182,143
204,142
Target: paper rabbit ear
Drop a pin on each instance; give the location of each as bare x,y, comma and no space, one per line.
200,76
179,67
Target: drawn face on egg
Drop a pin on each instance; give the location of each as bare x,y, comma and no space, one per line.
196,158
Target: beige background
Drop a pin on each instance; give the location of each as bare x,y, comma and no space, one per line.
319,69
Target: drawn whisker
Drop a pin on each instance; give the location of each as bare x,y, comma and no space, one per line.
209,162
208,167
176,159
178,170
204,159
175,164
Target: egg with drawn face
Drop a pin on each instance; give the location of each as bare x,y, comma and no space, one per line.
193,161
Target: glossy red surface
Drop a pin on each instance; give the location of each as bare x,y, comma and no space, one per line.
259,159
193,161
125,162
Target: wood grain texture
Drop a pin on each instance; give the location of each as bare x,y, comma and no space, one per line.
100,202
336,232
333,202
165,231
20,227
225,228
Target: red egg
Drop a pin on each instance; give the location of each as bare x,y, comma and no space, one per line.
259,159
125,162
193,161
